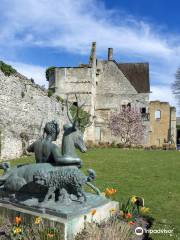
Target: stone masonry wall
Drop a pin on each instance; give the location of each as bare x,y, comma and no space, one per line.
79,80
114,90
173,124
25,108
69,80
162,123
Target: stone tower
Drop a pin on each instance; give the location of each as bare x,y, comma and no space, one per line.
80,80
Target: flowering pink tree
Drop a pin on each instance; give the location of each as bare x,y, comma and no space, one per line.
128,125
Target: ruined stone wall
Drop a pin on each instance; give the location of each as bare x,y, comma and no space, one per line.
162,121
80,80
25,108
73,80
173,124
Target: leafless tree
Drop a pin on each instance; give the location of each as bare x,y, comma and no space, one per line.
176,86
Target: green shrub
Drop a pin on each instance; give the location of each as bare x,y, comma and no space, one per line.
22,94
113,144
50,93
84,117
7,69
120,145
60,99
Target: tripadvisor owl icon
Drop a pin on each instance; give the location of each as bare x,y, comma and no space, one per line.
139,231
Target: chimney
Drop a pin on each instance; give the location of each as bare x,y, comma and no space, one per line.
92,59
110,54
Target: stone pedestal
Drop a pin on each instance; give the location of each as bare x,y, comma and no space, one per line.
70,221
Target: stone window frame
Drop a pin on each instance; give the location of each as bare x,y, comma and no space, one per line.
158,115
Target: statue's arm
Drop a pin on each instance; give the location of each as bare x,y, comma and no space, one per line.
31,148
62,160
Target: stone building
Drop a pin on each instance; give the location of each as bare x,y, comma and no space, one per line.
105,86
25,108
162,123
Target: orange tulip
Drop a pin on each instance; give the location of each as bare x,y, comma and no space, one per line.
50,235
110,191
132,223
93,212
128,215
18,220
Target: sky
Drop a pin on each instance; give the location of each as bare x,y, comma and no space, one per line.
37,34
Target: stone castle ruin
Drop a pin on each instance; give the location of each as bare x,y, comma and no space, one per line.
106,85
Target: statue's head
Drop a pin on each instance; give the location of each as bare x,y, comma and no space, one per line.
76,136
41,178
52,129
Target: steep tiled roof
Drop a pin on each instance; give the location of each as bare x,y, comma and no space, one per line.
137,74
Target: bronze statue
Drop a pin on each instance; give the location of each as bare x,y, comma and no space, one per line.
48,152
55,171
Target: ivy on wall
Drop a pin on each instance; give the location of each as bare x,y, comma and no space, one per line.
48,70
84,117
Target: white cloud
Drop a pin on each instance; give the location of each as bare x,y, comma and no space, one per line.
74,24
163,93
31,71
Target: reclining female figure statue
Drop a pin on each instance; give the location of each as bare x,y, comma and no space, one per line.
48,152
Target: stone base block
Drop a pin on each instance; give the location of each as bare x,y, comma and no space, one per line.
69,225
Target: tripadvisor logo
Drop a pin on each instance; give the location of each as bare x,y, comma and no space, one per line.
139,231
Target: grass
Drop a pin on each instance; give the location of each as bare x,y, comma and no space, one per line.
153,175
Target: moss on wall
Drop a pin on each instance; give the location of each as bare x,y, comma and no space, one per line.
7,69
48,70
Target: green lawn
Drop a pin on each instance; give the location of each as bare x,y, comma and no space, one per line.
154,175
